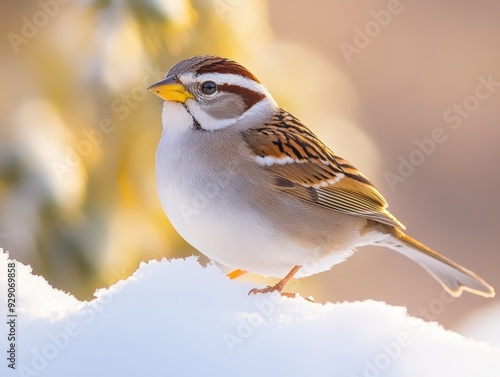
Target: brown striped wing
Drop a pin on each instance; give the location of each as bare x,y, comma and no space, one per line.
309,170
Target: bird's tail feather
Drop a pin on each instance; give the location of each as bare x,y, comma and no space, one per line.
453,277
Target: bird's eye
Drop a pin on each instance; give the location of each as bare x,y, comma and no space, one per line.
208,87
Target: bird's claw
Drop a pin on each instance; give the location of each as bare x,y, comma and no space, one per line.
270,289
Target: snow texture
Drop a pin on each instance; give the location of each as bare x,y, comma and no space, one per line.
178,318
483,325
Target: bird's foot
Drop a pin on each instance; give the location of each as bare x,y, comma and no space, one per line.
278,287
236,274
269,289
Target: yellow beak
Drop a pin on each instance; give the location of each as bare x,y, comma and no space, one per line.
171,90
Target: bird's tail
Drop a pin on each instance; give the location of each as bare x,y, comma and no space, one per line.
453,277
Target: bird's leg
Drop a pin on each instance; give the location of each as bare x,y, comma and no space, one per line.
236,274
279,286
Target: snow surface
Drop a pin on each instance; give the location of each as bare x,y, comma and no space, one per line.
483,325
178,318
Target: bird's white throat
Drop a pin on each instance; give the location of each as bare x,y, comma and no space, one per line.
177,119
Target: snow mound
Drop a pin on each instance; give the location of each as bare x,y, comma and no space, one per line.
484,325
178,318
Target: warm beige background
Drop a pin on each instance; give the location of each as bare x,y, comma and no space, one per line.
427,58
91,61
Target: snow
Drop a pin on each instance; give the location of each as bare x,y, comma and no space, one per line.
178,318
483,325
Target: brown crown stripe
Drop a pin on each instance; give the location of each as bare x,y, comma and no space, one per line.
224,66
249,96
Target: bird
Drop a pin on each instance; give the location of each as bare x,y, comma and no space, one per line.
253,188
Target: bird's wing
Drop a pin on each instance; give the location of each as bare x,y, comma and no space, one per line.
309,170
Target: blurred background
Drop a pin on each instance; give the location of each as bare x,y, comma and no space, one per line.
79,131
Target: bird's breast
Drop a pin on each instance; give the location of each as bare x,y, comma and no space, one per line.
232,215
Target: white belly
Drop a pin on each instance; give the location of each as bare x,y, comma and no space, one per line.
212,216
239,240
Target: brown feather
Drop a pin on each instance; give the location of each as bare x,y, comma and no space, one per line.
214,64
316,174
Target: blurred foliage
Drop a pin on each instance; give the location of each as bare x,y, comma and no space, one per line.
79,131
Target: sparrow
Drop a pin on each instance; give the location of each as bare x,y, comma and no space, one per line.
251,187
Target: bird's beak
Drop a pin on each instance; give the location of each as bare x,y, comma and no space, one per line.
170,90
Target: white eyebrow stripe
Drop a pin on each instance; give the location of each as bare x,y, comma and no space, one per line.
226,78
